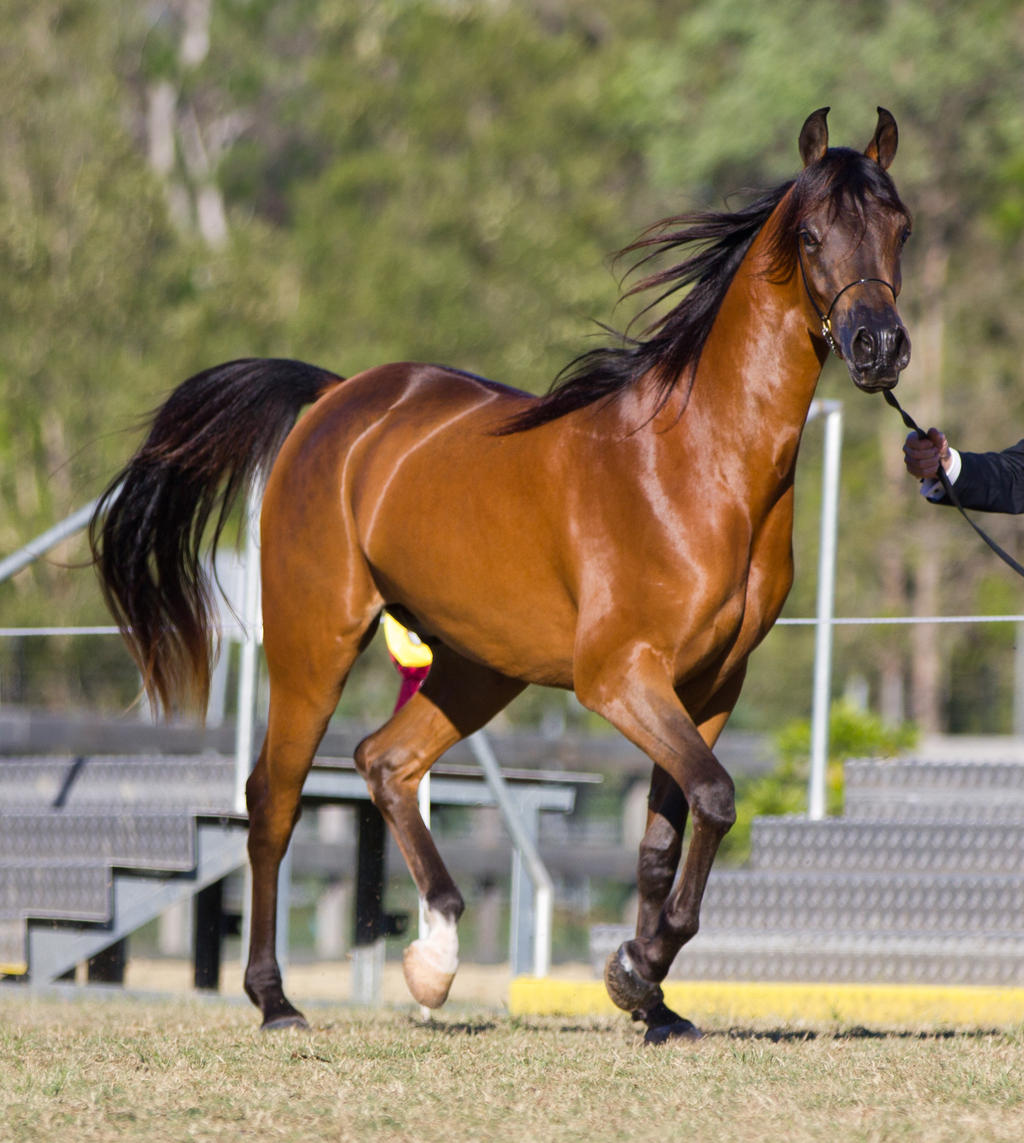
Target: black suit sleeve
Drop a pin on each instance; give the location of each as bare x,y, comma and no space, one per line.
992,481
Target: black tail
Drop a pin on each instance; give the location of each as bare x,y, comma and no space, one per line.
214,435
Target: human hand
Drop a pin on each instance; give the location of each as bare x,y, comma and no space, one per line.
922,456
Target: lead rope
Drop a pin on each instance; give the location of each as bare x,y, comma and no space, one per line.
908,420
947,487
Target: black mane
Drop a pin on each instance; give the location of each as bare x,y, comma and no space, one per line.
715,243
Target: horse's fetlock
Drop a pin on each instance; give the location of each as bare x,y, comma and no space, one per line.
262,981
687,928
448,903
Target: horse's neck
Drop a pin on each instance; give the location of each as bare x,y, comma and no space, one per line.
755,380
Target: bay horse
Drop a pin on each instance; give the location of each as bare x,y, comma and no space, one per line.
627,536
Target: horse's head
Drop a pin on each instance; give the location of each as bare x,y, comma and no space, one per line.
850,228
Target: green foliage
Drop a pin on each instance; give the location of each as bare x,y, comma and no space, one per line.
448,181
853,733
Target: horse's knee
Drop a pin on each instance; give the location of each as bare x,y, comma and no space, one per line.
713,804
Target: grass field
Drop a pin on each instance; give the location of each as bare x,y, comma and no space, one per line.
119,1068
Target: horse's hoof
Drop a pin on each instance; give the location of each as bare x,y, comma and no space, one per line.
680,1030
428,984
291,1019
664,1024
627,988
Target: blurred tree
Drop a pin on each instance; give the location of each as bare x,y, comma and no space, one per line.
191,180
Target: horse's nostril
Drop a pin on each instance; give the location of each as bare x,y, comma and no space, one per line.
863,348
901,347
894,346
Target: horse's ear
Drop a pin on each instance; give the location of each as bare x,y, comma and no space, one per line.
814,137
882,147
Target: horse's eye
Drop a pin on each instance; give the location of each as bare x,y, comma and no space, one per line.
809,239
905,236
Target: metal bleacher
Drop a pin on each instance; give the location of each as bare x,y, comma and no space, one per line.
921,880
93,847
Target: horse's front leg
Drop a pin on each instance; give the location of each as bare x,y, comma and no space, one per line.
642,704
635,971
658,862
662,845
457,698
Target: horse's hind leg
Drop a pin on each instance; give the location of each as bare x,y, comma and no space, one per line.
307,671
457,699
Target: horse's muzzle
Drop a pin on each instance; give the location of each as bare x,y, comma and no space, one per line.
876,351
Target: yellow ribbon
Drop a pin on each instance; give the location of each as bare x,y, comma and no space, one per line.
406,646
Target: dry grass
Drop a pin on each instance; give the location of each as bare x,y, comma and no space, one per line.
117,1068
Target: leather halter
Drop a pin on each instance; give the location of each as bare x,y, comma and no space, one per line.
826,317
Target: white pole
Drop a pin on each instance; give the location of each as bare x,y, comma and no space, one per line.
423,798
1018,682
246,713
833,412
542,885
68,527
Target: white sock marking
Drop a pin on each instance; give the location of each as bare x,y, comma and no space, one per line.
440,947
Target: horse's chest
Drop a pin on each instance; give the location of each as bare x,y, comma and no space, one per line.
750,604
768,580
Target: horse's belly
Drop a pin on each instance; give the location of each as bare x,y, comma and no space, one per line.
516,619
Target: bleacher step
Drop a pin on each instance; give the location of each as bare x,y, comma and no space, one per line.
870,902
161,840
77,909
921,880
908,789
793,843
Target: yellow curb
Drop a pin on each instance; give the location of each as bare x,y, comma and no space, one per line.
13,969
730,1003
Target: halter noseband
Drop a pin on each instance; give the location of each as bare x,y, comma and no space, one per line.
826,318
